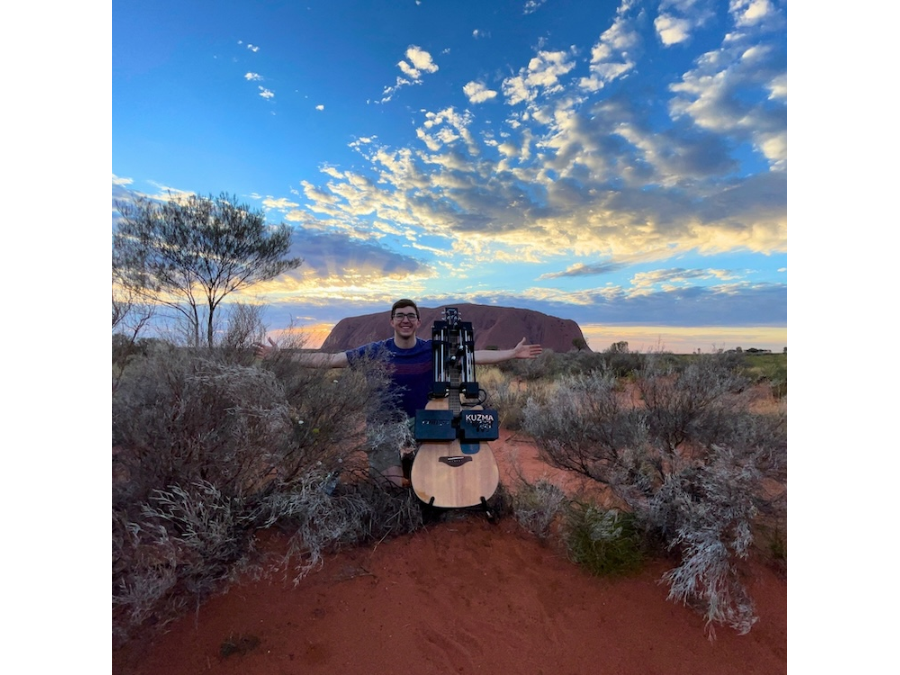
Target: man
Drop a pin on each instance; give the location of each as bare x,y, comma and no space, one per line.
410,362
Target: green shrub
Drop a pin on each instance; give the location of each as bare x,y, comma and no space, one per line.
606,543
770,369
625,365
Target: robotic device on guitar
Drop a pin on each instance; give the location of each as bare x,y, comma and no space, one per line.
454,466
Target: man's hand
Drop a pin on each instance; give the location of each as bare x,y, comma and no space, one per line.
520,351
523,351
265,351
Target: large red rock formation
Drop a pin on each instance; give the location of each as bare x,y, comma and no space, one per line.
494,327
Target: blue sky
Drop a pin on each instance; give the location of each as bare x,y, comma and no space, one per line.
622,164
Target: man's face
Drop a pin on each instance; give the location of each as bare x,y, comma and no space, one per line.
405,321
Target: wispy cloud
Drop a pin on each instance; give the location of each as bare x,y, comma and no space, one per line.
280,203
417,62
678,19
750,12
253,77
445,128
740,89
331,171
166,192
668,279
266,93
541,76
613,56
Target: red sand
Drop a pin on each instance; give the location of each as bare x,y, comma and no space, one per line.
464,596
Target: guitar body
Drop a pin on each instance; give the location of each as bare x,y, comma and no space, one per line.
452,474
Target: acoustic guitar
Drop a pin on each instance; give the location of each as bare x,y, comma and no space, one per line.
459,470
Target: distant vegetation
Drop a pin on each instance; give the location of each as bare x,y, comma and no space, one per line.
757,368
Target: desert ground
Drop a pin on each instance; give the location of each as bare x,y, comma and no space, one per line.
464,595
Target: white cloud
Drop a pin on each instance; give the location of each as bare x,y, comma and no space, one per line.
778,87
477,92
749,12
421,60
320,107
331,171
280,203
739,90
672,30
480,34
614,55
532,6
408,70
167,192
266,93
116,180
253,77
418,62
669,278
543,73
252,48
678,19
446,127
508,149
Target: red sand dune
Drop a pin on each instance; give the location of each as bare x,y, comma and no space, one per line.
464,596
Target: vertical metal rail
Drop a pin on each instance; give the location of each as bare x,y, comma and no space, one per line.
440,379
467,342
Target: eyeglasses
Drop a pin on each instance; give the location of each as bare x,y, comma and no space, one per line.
406,317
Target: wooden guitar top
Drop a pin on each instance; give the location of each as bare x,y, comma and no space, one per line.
450,474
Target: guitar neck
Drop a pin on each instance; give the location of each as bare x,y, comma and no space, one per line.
455,392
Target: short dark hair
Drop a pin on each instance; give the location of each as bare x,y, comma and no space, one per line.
404,302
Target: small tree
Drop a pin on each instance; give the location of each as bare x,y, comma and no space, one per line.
190,254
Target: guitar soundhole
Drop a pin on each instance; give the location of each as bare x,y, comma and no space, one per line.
455,461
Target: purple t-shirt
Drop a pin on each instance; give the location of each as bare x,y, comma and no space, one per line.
410,370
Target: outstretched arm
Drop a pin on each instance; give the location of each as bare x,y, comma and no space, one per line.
314,360
520,351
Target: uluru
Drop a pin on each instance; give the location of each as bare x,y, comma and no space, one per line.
494,328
